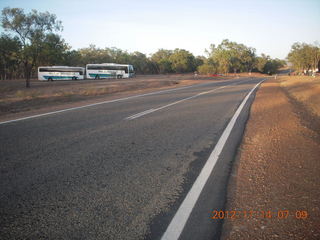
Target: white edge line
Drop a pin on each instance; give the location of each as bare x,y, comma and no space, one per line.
179,220
104,102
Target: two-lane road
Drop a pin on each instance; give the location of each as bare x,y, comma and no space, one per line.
119,169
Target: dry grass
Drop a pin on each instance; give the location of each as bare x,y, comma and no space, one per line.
304,89
27,94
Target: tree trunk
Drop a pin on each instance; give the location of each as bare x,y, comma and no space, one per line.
5,73
28,82
27,74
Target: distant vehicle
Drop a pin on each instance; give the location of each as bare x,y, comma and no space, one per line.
51,73
109,70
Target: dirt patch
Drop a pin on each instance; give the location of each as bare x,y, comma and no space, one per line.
304,89
275,180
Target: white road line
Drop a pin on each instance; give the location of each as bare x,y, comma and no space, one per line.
137,115
178,222
156,109
99,103
140,114
165,106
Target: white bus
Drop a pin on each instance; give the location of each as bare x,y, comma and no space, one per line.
51,73
109,70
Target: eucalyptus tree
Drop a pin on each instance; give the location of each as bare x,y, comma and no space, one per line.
9,56
261,62
31,29
140,62
304,56
93,54
182,61
54,50
162,61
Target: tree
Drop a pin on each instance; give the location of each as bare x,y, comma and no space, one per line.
265,64
261,62
219,57
9,55
230,56
162,61
199,60
304,56
182,61
92,54
140,62
272,66
32,30
247,56
72,58
53,51
207,69
117,55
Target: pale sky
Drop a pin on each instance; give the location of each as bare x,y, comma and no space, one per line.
270,26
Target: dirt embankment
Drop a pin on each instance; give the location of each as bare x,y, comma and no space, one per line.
305,90
275,182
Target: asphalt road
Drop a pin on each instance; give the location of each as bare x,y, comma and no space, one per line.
118,170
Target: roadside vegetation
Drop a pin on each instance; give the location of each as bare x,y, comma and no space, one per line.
305,58
32,39
233,57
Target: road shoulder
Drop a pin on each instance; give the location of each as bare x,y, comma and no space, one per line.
277,170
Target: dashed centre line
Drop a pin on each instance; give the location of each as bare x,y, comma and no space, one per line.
137,115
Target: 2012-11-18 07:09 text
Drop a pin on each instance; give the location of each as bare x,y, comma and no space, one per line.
279,214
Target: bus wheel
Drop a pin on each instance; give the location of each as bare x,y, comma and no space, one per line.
74,78
97,77
119,76
50,79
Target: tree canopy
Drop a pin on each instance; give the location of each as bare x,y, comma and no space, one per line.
230,56
304,57
31,40
33,31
